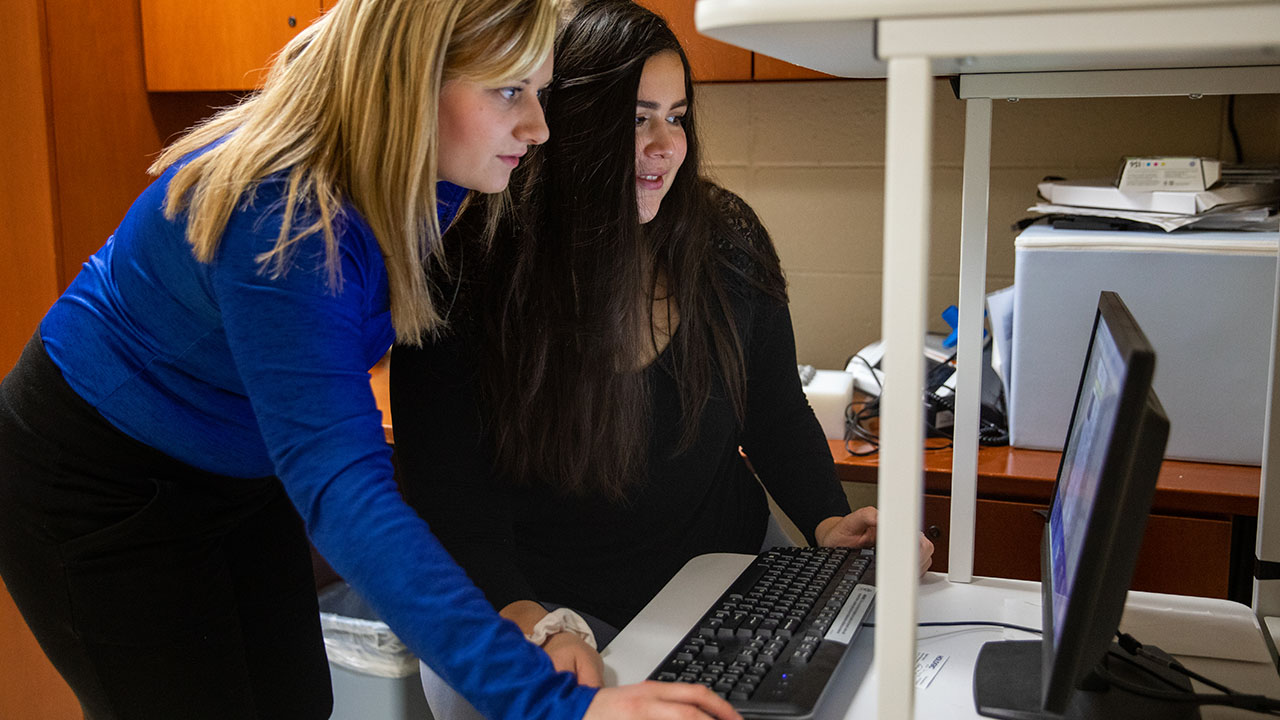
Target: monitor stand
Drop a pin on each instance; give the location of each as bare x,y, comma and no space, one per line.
1007,684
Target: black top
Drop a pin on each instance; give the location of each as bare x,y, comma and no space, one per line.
604,557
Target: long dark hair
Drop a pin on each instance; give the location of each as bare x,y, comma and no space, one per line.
571,295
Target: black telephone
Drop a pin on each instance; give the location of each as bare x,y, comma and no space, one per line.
939,399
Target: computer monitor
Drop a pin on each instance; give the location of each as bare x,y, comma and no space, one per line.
1106,481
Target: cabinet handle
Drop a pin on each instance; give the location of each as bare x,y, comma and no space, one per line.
933,532
293,21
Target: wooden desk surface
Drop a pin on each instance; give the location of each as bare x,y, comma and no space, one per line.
1028,475
1016,473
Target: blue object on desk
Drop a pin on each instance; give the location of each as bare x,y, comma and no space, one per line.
952,317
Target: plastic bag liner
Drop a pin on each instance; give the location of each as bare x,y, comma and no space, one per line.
355,639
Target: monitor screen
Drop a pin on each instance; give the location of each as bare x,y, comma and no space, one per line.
1106,481
1081,467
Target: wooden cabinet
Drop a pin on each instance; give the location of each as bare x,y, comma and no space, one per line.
710,60
714,61
28,256
1198,541
227,45
81,131
1180,555
223,45
29,686
767,68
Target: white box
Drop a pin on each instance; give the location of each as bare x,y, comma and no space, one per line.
1205,300
1169,173
829,394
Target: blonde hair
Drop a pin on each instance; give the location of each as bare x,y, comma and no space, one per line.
348,111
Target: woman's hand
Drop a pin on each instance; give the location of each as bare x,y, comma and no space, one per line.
569,653
858,530
926,554
659,701
855,530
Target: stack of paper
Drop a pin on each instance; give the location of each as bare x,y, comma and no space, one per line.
1235,206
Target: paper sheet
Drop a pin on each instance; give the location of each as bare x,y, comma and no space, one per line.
928,665
1000,316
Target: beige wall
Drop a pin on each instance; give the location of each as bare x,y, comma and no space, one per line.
809,157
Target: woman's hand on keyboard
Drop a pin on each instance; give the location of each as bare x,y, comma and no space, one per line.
858,530
855,530
659,701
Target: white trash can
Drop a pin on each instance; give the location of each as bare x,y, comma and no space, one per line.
374,675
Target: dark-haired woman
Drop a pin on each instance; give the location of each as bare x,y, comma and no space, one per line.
575,439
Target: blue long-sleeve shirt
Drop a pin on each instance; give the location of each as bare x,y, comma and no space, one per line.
237,373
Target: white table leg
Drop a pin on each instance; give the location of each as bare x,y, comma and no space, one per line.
973,287
901,479
1266,593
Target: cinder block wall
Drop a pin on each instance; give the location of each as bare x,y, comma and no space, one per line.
809,157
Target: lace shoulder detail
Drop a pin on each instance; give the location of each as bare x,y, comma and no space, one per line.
743,242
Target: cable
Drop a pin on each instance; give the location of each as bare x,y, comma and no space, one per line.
1229,697
1130,645
1132,662
968,623
856,429
1231,126
1253,703
991,623
871,368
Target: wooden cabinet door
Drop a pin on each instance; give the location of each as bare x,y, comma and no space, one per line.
710,60
1179,555
768,68
1006,543
217,44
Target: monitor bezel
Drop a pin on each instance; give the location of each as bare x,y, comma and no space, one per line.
1113,535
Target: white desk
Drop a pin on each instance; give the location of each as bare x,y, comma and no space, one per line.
1193,629
1039,49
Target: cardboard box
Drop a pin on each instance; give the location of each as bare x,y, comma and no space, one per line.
1205,300
1104,194
1141,174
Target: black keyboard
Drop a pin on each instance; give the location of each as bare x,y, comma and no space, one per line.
773,639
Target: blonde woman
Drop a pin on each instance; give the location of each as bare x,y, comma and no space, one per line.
196,404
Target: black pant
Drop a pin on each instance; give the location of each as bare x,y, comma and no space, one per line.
157,590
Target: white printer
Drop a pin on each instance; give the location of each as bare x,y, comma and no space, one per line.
1205,300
